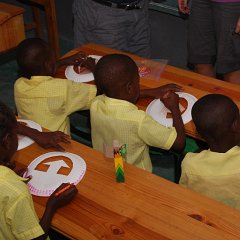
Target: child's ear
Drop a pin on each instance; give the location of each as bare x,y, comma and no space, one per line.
129,87
236,125
6,141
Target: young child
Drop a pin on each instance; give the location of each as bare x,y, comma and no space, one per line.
15,196
115,117
41,97
215,172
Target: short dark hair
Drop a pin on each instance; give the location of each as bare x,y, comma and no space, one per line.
213,115
31,56
112,72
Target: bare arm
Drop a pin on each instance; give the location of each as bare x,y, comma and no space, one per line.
44,139
77,59
160,91
171,101
55,202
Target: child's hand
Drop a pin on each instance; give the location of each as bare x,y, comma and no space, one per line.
51,139
160,91
170,100
75,59
23,172
20,172
60,198
168,88
89,63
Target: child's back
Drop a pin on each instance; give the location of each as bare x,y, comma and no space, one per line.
115,117
14,198
42,98
215,172
118,119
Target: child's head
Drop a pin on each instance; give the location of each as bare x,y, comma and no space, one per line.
116,76
217,119
35,58
8,136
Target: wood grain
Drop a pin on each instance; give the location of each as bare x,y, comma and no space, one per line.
144,207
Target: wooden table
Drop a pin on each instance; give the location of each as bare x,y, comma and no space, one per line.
145,207
193,83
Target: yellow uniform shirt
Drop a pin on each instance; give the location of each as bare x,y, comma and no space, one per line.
216,175
18,219
121,120
49,101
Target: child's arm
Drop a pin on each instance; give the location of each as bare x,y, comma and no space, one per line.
79,58
53,203
44,139
171,101
75,59
160,91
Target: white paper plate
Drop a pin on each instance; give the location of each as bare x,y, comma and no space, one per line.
82,77
45,183
158,111
24,141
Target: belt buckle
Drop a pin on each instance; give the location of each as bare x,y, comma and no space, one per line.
132,6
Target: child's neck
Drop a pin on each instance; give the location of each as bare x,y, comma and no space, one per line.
222,146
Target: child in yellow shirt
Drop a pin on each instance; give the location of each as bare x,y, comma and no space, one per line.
215,172
114,115
18,218
42,98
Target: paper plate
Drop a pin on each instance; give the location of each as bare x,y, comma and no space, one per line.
46,172
158,111
24,141
85,76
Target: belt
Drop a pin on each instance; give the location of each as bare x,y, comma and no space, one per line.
125,6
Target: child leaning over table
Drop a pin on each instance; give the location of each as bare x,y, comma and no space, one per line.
215,172
114,115
41,97
18,219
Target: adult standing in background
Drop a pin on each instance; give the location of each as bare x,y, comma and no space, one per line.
118,24
214,37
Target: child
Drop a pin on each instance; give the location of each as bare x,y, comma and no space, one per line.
18,219
41,97
215,172
114,115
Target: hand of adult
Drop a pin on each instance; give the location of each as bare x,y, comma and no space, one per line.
183,6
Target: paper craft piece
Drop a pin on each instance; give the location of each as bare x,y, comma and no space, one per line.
143,70
151,69
161,114
24,141
119,155
78,74
50,170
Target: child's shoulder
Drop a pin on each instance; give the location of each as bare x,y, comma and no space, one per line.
11,184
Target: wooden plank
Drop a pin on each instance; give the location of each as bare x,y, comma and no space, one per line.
144,207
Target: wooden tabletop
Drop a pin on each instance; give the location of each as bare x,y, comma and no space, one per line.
145,206
193,83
